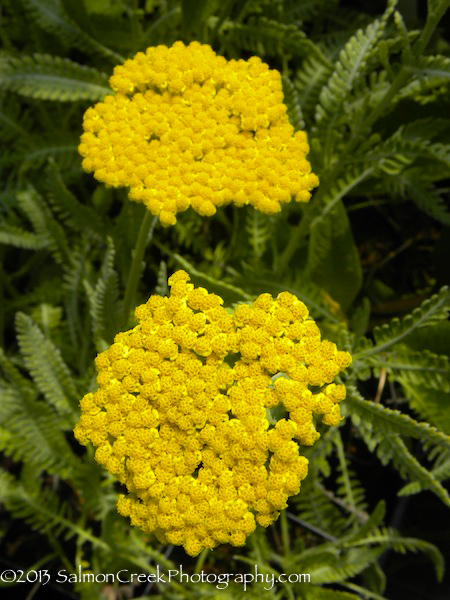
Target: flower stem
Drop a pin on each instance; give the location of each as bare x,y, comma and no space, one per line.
285,533
145,235
201,560
296,239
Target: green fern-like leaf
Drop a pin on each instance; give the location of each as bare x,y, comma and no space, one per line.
343,567
395,153
440,473
430,404
429,312
375,519
440,152
317,508
103,300
74,273
339,189
425,129
44,224
392,421
258,227
433,67
78,215
41,508
31,431
65,154
309,80
390,538
392,45
429,200
47,368
366,94
15,236
418,368
350,67
89,479
346,72
392,447
50,15
428,75
419,136
266,36
349,488
292,101
12,123
416,184
14,380
47,316
52,78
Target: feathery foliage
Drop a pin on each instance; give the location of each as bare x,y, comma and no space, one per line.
52,17
51,78
368,255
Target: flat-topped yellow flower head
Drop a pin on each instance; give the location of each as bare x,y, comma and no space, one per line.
182,414
187,128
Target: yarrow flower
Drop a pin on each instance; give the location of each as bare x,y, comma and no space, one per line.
182,414
187,128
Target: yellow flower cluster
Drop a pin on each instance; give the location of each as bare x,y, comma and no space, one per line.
182,415
187,128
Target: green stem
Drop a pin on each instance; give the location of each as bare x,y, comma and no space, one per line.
201,561
434,16
367,204
59,552
145,234
313,528
295,241
285,533
363,592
